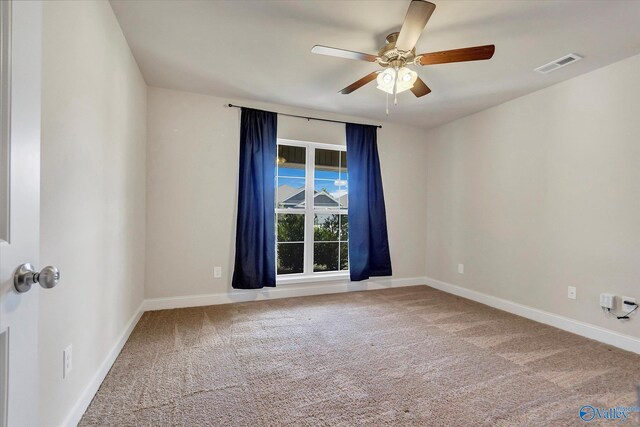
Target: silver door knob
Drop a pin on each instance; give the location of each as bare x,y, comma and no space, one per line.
26,275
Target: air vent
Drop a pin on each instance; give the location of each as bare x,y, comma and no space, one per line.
558,63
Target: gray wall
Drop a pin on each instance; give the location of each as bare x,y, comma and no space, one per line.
542,193
92,195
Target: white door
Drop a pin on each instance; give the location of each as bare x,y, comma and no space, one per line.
20,215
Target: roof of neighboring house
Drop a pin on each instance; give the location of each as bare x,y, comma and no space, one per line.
324,200
344,200
295,199
286,191
289,197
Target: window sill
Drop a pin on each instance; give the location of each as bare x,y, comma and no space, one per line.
295,279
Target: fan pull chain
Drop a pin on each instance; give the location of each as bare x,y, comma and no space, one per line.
387,103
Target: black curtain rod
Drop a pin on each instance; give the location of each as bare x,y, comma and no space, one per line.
300,117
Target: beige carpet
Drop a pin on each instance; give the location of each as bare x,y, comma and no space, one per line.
410,356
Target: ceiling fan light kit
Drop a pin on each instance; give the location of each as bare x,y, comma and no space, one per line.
393,82
399,52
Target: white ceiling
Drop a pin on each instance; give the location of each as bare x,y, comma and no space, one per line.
261,50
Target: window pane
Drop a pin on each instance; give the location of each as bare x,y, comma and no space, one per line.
290,258
327,164
343,195
343,182
290,227
326,227
290,193
344,256
325,256
326,194
291,161
343,166
344,228
330,175
344,173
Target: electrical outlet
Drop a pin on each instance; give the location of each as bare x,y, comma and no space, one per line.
461,268
607,301
67,358
217,272
628,308
571,292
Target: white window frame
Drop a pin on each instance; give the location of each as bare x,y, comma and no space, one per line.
309,275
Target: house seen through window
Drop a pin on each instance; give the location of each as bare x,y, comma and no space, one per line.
312,224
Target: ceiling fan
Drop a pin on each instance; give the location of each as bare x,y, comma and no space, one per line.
400,51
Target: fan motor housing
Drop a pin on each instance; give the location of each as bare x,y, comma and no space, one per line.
390,56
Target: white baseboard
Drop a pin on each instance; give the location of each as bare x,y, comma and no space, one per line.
90,391
607,336
282,291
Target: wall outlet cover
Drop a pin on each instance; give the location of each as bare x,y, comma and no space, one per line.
572,292
461,268
217,272
628,308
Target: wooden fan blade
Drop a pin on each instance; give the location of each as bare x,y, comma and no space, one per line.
420,88
417,16
476,53
357,85
341,53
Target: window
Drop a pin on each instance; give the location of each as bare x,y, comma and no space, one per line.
312,223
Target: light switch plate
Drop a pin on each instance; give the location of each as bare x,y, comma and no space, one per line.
572,292
461,268
607,301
